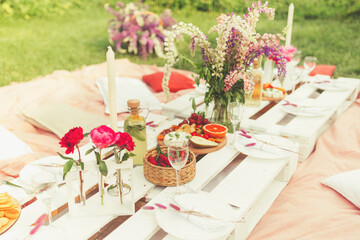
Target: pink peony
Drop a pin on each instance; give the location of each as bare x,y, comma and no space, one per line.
102,136
289,52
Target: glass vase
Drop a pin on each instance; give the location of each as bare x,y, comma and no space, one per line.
75,180
219,114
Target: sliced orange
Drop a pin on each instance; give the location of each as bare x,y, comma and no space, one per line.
215,130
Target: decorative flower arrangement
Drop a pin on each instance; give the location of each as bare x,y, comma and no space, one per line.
101,137
104,137
226,68
70,141
137,30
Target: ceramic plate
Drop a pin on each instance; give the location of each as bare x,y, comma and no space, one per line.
180,227
258,153
40,165
331,85
305,111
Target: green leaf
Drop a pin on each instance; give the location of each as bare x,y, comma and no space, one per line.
86,134
98,158
67,167
128,155
63,157
103,168
193,105
177,135
81,165
89,151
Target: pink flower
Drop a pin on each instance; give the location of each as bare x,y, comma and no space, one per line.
102,136
124,140
289,52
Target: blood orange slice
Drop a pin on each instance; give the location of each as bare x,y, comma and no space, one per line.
215,130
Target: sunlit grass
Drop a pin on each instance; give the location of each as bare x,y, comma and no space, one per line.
40,46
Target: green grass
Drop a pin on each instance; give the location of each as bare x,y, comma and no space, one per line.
40,46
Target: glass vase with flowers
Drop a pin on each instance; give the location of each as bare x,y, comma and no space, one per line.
226,69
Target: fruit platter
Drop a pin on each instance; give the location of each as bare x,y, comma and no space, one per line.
10,209
204,136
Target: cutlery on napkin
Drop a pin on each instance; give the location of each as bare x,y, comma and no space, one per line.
252,141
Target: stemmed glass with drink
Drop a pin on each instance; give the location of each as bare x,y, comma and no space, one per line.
309,64
178,153
235,112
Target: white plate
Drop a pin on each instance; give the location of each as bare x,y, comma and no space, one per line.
306,111
258,153
331,85
180,227
34,168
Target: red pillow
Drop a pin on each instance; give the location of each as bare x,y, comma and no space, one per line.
323,70
177,81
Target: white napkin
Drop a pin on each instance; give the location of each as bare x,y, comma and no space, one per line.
259,145
208,224
127,88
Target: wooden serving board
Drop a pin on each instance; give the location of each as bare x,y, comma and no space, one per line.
198,151
11,220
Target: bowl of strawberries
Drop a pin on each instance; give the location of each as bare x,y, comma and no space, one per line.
158,170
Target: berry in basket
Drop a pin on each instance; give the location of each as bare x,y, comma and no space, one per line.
161,159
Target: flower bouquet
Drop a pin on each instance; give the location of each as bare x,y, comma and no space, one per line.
226,68
137,30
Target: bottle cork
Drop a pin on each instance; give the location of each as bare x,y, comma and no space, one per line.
256,63
133,103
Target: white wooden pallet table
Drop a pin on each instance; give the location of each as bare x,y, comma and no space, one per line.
252,183
305,130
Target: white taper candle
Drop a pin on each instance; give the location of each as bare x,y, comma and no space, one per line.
289,23
110,59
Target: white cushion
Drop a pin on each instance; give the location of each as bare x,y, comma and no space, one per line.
127,88
347,184
11,146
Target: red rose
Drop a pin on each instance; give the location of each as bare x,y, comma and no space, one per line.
71,139
124,140
102,136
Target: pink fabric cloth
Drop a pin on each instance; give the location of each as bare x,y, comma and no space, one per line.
306,209
76,88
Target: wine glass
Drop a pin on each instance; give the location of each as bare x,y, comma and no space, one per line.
178,153
309,64
144,109
295,61
45,187
235,112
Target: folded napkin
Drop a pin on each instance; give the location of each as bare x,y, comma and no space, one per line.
60,118
303,108
251,142
177,81
127,88
206,223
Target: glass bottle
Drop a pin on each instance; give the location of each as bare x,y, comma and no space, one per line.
135,125
256,97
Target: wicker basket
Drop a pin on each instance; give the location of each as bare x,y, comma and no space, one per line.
166,176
